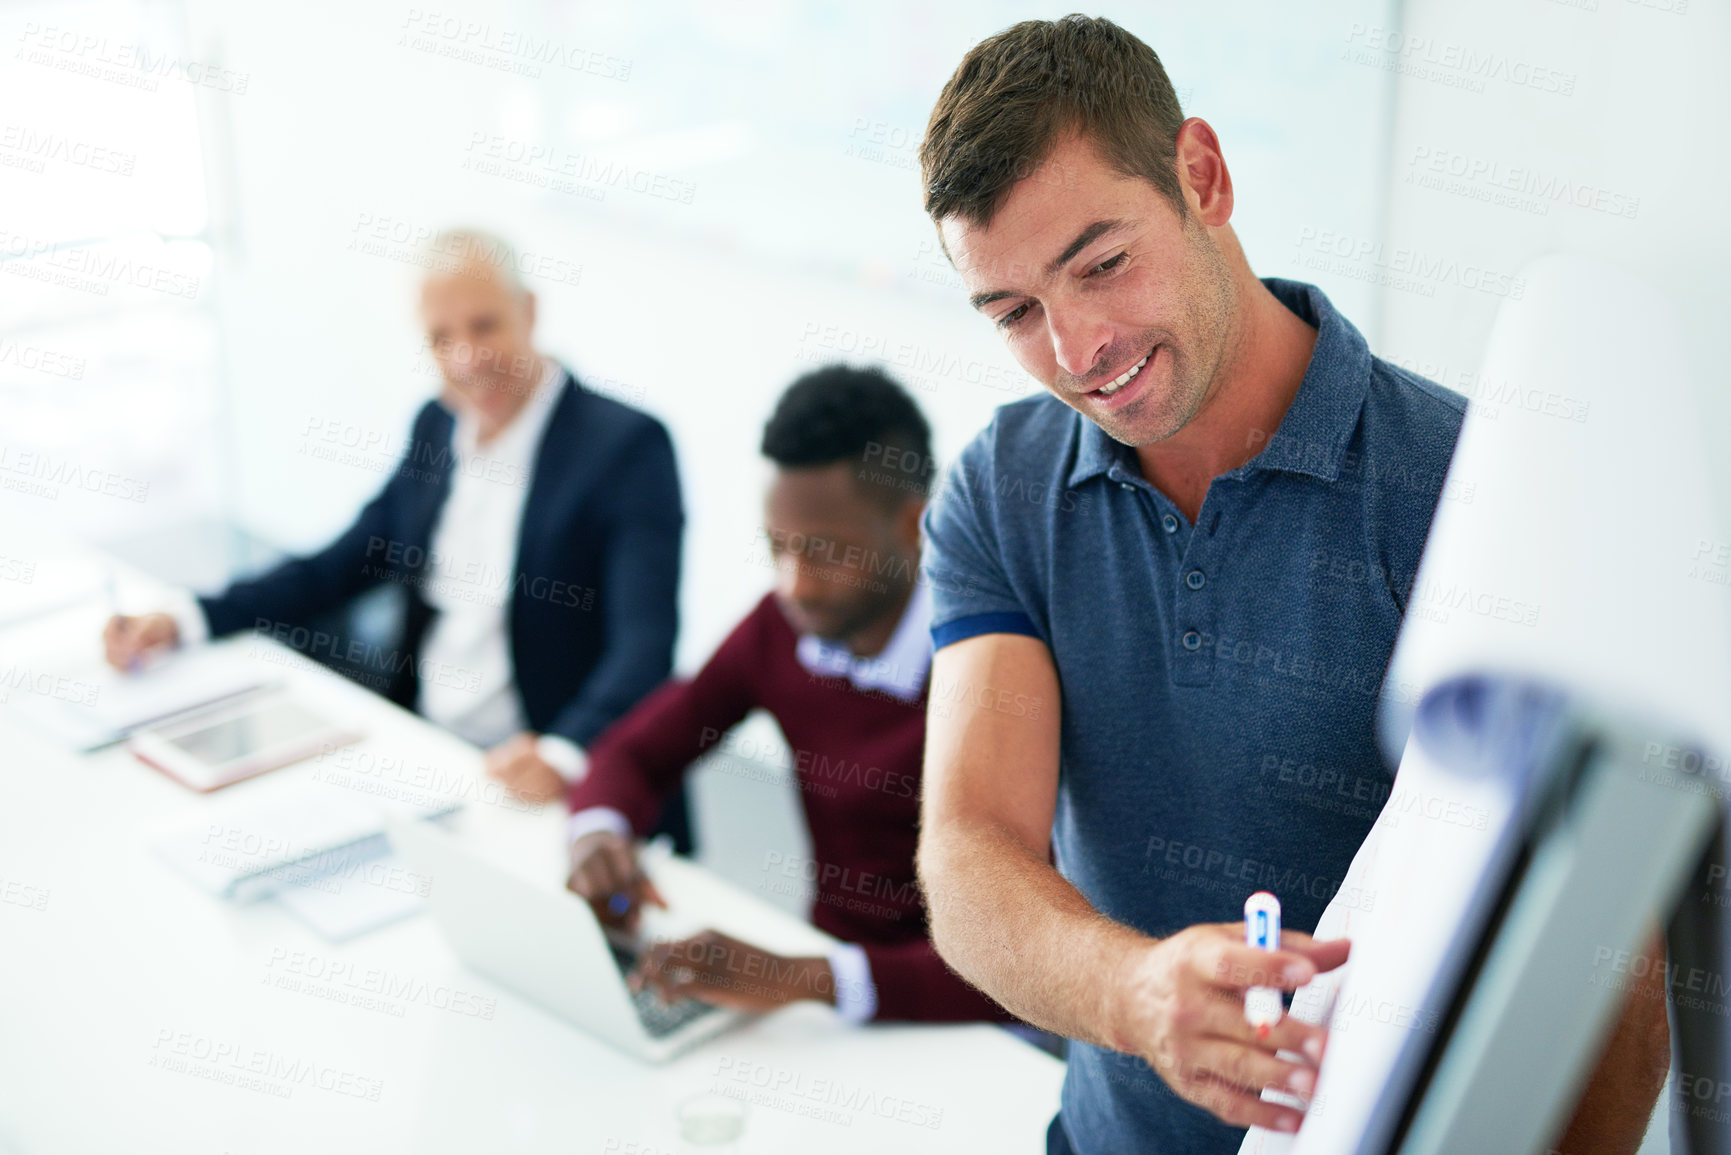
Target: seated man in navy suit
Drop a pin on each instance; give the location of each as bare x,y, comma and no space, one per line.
534,524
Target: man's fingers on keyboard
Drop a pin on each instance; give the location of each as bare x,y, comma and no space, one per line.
686,968
683,982
653,967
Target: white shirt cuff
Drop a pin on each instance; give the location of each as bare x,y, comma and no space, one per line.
188,617
593,819
856,996
563,755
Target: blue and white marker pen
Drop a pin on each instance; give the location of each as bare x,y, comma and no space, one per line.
1262,1005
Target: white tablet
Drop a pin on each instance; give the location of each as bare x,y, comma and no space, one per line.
238,740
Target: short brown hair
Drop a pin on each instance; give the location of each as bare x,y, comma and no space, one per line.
1016,93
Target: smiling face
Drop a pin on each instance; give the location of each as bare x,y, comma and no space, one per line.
1121,307
481,330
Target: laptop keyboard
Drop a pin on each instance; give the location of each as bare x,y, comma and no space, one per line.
658,1018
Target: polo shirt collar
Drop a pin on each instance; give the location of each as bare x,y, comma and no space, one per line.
1318,425
1096,453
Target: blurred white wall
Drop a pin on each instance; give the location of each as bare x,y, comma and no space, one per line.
1584,126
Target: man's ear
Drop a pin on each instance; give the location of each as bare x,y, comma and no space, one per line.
908,522
1202,168
529,310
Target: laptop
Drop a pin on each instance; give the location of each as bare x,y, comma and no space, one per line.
547,946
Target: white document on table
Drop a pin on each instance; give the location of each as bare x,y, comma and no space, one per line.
368,889
297,831
92,704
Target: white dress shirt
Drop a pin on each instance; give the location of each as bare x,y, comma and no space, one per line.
471,571
468,684
898,670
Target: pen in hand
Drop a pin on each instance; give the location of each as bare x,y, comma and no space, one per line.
639,887
1262,1005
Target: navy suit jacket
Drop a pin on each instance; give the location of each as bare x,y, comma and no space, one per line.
593,609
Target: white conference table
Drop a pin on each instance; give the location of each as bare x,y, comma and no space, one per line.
140,1014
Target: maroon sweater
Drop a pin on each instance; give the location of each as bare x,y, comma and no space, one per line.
857,755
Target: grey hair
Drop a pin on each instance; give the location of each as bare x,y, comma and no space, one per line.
453,249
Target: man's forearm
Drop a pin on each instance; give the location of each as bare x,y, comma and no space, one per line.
1014,927
1617,1102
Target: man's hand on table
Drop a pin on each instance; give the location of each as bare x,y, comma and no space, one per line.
128,639
1179,1004
714,968
517,764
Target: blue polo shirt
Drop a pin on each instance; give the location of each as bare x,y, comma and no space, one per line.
1219,680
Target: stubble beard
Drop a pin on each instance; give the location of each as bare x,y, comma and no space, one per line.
1162,413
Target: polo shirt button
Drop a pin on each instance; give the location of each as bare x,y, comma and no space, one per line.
1192,640
1170,522
1125,485
1194,579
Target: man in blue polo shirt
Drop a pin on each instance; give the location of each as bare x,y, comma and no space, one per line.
1193,559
